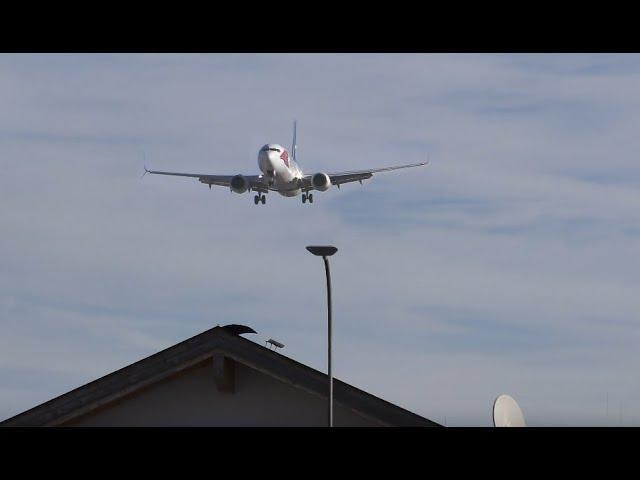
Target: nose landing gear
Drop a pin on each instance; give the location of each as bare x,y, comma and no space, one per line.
306,197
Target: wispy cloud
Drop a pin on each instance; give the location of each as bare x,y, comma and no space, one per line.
506,265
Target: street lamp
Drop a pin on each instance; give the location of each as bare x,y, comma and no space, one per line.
324,252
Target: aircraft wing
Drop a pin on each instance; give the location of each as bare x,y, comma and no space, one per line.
255,181
359,175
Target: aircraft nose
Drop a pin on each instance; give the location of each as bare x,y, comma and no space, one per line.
270,162
264,160
272,159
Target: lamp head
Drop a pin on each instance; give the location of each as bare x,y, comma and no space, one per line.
322,251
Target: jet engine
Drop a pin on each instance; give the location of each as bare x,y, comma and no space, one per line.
239,184
321,181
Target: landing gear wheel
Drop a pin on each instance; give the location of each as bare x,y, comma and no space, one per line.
304,198
256,199
264,199
311,198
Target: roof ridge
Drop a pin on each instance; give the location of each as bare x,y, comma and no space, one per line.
194,350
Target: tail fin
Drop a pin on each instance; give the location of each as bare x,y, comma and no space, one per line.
293,145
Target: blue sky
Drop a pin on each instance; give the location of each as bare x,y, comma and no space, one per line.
508,265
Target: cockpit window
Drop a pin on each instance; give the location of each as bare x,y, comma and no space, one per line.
265,149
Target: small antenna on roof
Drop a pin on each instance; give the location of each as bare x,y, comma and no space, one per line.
273,343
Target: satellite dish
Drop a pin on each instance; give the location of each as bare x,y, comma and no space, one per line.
507,413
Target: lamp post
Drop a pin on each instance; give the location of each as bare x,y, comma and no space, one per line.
325,252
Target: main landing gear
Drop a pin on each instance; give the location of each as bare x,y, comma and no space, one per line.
306,197
259,198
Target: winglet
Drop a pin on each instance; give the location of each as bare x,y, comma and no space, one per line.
144,156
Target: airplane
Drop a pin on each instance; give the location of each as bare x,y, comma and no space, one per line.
281,173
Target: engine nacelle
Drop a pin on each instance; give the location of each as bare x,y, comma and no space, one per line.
321,181
239,184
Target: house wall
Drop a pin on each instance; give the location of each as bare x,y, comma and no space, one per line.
192,399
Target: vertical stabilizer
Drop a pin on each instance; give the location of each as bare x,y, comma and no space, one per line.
293,145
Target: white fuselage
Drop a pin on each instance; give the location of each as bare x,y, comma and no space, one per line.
280,170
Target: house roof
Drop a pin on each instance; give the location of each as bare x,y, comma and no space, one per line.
190,352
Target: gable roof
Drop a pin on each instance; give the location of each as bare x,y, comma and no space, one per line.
190,352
